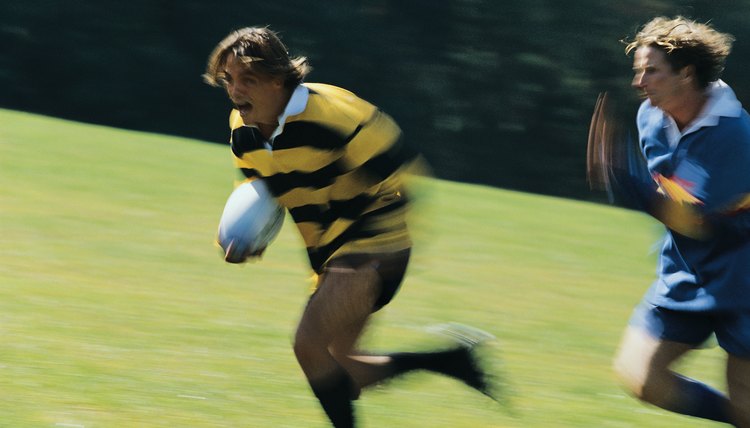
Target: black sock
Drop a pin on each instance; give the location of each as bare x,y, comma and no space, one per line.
457,363
439,361
335,396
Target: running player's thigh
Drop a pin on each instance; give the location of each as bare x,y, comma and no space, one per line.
342,303
642,355
656,337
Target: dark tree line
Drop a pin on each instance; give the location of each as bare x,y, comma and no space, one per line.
492,92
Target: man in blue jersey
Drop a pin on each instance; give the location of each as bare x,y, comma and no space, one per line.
695,137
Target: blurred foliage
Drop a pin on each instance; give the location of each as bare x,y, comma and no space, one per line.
492,92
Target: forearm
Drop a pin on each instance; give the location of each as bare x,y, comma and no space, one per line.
688,220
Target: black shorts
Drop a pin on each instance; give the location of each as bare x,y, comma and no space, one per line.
391,268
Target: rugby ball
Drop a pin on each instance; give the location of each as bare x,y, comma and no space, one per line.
252,218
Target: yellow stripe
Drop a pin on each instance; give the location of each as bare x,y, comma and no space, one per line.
346,187
260,160
315,236
336,108
304,159
310,233
235,120
375,138
334,230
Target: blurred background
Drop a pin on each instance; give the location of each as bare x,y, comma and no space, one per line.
492,92
116,309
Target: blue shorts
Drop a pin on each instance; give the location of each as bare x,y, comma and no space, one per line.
732,329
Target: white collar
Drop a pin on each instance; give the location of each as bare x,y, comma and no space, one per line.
721,102
296,105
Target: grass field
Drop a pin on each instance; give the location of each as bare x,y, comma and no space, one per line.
116,309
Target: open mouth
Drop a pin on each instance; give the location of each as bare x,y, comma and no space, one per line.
243,108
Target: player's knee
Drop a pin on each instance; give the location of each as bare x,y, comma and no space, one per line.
337,353
641,382
305,346
630,376
622,369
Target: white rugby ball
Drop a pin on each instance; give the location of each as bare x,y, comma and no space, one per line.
252,218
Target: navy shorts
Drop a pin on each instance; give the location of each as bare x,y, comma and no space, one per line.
732,329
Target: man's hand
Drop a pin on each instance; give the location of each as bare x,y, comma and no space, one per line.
233,255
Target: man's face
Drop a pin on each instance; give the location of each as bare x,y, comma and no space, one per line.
260,99
654,78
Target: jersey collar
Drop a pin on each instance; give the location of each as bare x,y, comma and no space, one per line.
296,105
721,102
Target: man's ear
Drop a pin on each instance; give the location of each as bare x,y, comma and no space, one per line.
687,73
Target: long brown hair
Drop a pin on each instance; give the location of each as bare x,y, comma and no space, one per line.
687,42
261,49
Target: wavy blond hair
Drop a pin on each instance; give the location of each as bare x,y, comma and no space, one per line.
261,49
686,42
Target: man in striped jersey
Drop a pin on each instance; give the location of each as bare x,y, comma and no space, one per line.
336,163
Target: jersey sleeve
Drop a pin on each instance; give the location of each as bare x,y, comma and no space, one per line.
378,149
240,141
726,196
715,180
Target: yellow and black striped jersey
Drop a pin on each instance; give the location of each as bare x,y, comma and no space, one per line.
335,163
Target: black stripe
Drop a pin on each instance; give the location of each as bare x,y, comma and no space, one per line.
249,173
325,215
350,208
319,255
308,213
354,134
246,139
308,134
357,230
385,164
282,183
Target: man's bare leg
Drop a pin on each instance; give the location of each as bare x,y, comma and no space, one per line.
643,365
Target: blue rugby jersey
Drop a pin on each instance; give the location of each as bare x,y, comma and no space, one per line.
707,165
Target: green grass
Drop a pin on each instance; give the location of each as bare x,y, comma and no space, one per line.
116,309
